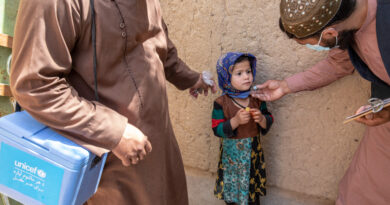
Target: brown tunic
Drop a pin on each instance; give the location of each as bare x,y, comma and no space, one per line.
249,129
52,78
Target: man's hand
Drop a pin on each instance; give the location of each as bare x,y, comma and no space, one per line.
201,87
374,119
271,90
133,146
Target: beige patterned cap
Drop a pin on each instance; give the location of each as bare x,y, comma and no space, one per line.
303,18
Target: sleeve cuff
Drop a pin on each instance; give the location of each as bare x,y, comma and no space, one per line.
107,132
185,77
227,129
269,122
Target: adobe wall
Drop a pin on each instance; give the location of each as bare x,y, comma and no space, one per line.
309,148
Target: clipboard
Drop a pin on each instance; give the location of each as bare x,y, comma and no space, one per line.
375,105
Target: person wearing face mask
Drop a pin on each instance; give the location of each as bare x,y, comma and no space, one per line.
96,72
356,34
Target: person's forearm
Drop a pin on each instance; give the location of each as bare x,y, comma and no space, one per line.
284,85
335,66
177,72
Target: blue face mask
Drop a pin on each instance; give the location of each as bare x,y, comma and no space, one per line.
317,47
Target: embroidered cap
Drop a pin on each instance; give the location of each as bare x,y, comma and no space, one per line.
303,18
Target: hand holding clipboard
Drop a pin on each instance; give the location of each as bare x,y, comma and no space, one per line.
376,105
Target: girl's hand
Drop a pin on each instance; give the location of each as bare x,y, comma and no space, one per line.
374,119
242,116
256,115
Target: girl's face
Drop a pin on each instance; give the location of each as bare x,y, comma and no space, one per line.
242,77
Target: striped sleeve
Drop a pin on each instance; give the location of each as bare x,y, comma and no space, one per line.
268,117
221,126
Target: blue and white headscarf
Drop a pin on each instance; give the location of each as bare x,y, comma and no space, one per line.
225,66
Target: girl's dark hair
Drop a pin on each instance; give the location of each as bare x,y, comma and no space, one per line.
347,7
242,58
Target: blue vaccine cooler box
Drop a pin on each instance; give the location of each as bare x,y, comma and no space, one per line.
39,166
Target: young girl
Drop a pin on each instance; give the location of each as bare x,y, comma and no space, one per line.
238,119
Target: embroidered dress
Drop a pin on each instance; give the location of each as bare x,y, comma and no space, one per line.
241,169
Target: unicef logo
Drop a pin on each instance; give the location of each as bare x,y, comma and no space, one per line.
41,173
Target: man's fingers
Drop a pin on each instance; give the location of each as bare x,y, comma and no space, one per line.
369,116
194,93
142,154
206,92
126,161
134,160
264,85
362,108
203,89
148,146
371,120
213,88
273,85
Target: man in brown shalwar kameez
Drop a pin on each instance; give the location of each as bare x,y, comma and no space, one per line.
52,78
357,34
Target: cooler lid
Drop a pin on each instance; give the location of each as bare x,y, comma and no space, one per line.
49,143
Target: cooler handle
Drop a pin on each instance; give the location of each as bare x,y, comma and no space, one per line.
95,161
34,143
